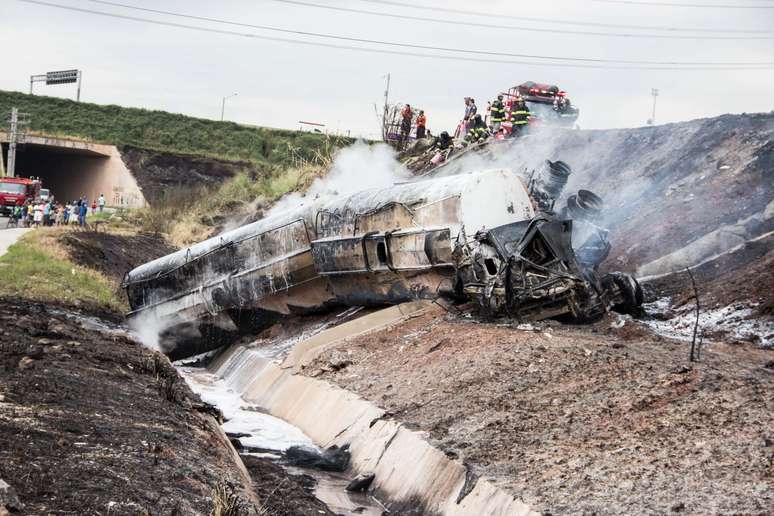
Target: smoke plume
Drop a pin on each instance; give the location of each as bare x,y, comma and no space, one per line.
357,167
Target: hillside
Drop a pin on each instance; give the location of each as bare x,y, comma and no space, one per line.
667,189
167,132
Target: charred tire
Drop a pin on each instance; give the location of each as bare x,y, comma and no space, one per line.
585,205
631,294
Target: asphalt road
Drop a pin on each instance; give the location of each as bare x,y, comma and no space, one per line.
9,235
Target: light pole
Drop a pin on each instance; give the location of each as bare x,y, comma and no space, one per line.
653,92
223,105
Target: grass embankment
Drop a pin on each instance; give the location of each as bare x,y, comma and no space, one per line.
163,131
38,268
238,200
187,216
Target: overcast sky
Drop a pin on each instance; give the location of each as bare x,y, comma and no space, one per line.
139,64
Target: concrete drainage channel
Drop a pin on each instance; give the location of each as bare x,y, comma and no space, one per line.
407,469
268,437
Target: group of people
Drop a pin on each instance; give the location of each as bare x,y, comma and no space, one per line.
53,213
407,120
475,129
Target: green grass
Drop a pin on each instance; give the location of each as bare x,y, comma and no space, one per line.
195,218
33,269
98,216
168,132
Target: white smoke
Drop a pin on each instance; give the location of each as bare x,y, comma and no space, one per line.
357,167
146,328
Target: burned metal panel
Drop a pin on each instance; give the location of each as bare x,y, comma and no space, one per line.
397,251
380,288
237,273
442,211
340,255
291,259
419,249
389,217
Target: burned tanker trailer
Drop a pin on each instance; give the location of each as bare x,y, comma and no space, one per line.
375,247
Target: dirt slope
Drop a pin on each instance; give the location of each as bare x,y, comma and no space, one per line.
167,177
96,424
113,254
576,420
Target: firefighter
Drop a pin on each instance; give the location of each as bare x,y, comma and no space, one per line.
498,114
444,141
478,131
519,117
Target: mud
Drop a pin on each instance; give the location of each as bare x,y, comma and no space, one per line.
282,494
579,420
93,423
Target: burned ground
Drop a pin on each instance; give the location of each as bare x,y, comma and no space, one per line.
743,276
93,423
113,254
605,419
282,494
668,185
664,187
164,177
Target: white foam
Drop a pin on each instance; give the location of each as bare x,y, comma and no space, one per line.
264,431
735,320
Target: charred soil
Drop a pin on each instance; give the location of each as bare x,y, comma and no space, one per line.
159,173
113,254
743,276
93,423
282,494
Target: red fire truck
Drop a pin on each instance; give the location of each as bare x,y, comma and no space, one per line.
14,191
547,103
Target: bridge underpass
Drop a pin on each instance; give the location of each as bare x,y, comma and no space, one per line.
74,168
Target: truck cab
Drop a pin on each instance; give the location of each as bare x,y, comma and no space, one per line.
14,191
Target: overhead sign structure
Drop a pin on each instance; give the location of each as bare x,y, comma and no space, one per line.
59,77
62,77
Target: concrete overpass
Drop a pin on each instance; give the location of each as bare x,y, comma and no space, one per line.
71,168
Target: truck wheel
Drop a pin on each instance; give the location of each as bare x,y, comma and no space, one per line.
631,293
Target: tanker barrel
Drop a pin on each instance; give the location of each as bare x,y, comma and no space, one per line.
585,205
555,177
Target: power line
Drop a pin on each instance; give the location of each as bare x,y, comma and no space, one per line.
436,8
519,28
378,50
428,47
676,4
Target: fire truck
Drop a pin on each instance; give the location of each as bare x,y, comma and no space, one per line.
15,191
546,102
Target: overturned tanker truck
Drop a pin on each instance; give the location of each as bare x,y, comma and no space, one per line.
482,236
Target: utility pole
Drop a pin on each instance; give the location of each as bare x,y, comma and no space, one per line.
15,135
653,92
386,107
12,142
223,105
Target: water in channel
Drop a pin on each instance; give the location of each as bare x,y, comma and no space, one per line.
275,435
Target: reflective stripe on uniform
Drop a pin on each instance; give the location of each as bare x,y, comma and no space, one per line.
498,111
